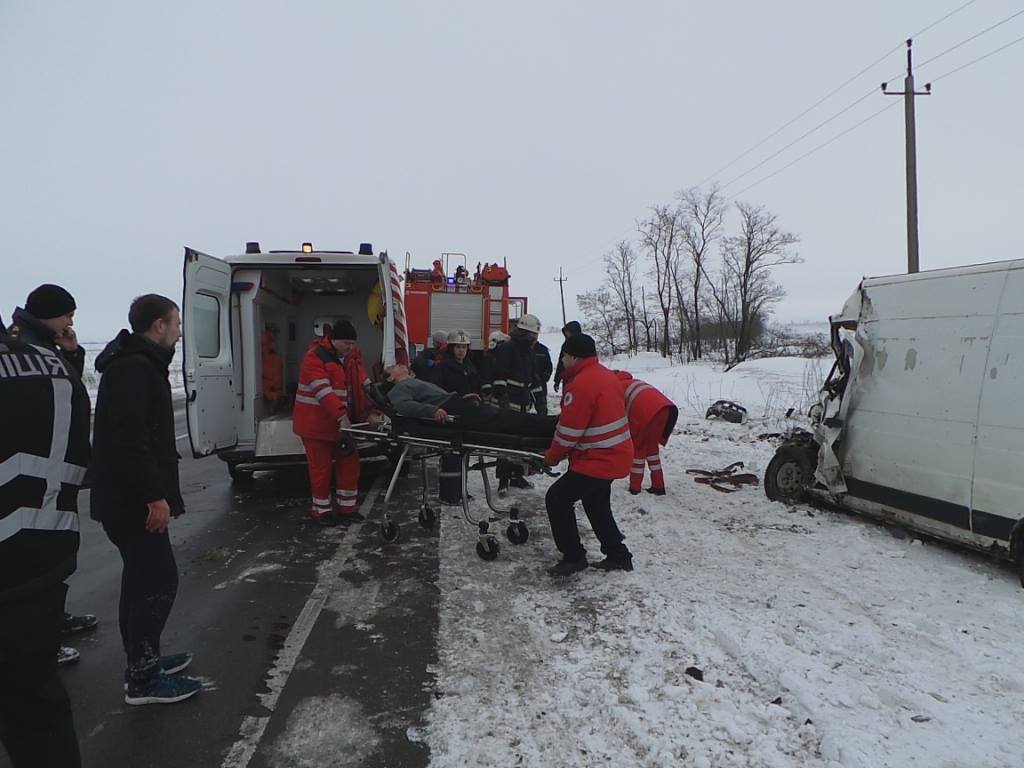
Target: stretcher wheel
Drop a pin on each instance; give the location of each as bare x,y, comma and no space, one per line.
517,532
427,517
490,550
389,531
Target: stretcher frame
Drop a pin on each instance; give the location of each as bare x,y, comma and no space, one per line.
473,456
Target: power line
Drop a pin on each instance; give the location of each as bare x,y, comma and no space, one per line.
824,98
803,136
838,136
831,93
972,37
980,58
970,63
811,108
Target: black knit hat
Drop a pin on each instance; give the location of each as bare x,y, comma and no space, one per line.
343,330
580,345
572,327
49,301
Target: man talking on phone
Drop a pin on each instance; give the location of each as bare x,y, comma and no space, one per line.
47,320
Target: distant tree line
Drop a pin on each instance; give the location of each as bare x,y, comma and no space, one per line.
695,282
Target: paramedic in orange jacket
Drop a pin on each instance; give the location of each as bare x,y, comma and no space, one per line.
325,403
652,417
272,369
593,433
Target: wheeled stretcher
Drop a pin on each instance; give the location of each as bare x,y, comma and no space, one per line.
406,438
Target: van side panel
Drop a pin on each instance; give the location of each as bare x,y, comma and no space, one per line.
998,499
915,397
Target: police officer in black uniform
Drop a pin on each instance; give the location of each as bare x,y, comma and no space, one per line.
47,320
44,408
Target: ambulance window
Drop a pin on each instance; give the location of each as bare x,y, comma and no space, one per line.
206,322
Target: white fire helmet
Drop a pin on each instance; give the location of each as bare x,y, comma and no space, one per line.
458,336
529,323
496,338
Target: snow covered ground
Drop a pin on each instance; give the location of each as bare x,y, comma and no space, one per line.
822,638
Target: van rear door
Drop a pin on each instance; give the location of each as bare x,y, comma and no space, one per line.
211,405
999,453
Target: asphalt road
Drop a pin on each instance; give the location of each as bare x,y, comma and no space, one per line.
305,638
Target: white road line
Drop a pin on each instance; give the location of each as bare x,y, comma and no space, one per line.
253,727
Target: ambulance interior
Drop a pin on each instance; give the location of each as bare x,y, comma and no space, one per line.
288,307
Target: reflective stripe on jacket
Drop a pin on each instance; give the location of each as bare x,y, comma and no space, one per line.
643,405
593,430
321,399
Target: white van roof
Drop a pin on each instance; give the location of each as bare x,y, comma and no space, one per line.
931,274
281,258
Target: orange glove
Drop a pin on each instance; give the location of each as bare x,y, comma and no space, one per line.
549,458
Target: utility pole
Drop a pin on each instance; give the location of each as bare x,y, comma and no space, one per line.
561,280
908,94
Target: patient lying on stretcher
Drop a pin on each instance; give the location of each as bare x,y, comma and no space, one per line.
412,397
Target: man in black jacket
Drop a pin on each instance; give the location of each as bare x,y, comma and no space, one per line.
47,320
44,451
136,492
542,374
570,329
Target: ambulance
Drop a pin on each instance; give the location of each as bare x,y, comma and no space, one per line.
235,306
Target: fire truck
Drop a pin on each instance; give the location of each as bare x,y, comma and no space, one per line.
449,296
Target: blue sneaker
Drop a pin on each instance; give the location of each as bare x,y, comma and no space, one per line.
162,689
175,662
168,665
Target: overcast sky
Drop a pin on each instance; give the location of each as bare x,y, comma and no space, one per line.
536,132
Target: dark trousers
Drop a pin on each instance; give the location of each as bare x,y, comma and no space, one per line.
596,497
450,480
36,726
149,583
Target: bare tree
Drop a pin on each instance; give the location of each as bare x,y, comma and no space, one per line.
681,279
621,281
703,218
747,262
661,238
601,318
646,321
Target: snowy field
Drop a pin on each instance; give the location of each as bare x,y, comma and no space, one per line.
822,638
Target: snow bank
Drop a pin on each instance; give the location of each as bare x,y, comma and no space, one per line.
822,639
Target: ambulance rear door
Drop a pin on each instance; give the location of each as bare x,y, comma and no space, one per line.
211,403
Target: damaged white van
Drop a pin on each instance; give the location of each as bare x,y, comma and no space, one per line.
247,323
920,422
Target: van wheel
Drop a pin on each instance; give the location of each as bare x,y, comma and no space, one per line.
1017,551
238,476
789,473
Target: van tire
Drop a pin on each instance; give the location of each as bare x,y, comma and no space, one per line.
1017,551
789,474
238,476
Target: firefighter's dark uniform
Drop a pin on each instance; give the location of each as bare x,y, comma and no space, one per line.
515,371
460,379
44,451
543,370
